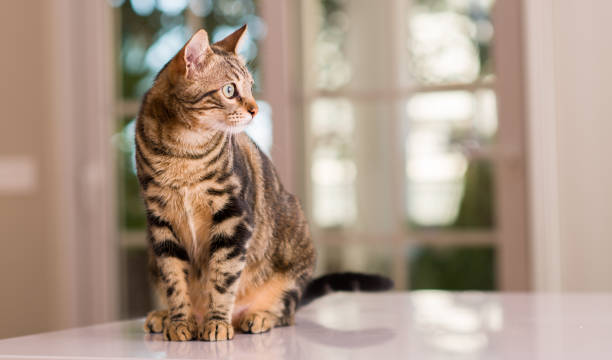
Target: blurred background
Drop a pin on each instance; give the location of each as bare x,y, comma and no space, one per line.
447,144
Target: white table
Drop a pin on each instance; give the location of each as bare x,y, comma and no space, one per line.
419,325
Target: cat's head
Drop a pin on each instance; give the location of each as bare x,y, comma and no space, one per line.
209,85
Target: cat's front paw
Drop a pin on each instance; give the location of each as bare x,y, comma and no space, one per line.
155,321
180,330
258,322
216,330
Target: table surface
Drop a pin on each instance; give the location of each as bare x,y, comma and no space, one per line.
417,325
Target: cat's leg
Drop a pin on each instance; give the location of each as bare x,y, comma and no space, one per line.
172,263
275,302
180,324
270,305
228,245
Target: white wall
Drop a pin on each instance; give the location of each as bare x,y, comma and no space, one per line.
58,260
31,287
569,72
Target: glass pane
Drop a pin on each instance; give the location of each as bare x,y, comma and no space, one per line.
131,212
446,185
472,115
452,268
151,33
136,278
450,40
446,190
333,168
340,47
331,65
351,165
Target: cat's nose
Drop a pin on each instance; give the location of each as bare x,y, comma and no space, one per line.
252,108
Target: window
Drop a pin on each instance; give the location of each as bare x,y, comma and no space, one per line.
402,134
401,124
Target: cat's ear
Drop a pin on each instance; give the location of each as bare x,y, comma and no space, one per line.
192,56
195,51
231,42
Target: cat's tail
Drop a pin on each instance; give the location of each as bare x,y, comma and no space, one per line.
348,281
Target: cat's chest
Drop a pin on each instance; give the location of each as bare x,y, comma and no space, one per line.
191,215
181,174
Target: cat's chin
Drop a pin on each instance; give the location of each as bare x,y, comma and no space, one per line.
235,129
231,127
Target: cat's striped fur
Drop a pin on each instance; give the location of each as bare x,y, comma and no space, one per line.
228,244
227,241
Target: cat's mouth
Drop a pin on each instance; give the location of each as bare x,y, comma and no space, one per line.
233,123
238,119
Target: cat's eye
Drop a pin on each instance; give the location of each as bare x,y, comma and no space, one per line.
229,90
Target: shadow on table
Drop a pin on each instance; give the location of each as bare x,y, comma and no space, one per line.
361,338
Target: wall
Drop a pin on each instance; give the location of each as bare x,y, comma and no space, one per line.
584,72
58,263
571,128
28,300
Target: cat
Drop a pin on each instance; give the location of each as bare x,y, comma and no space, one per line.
229,246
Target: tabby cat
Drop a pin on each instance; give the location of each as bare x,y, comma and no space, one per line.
229,246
